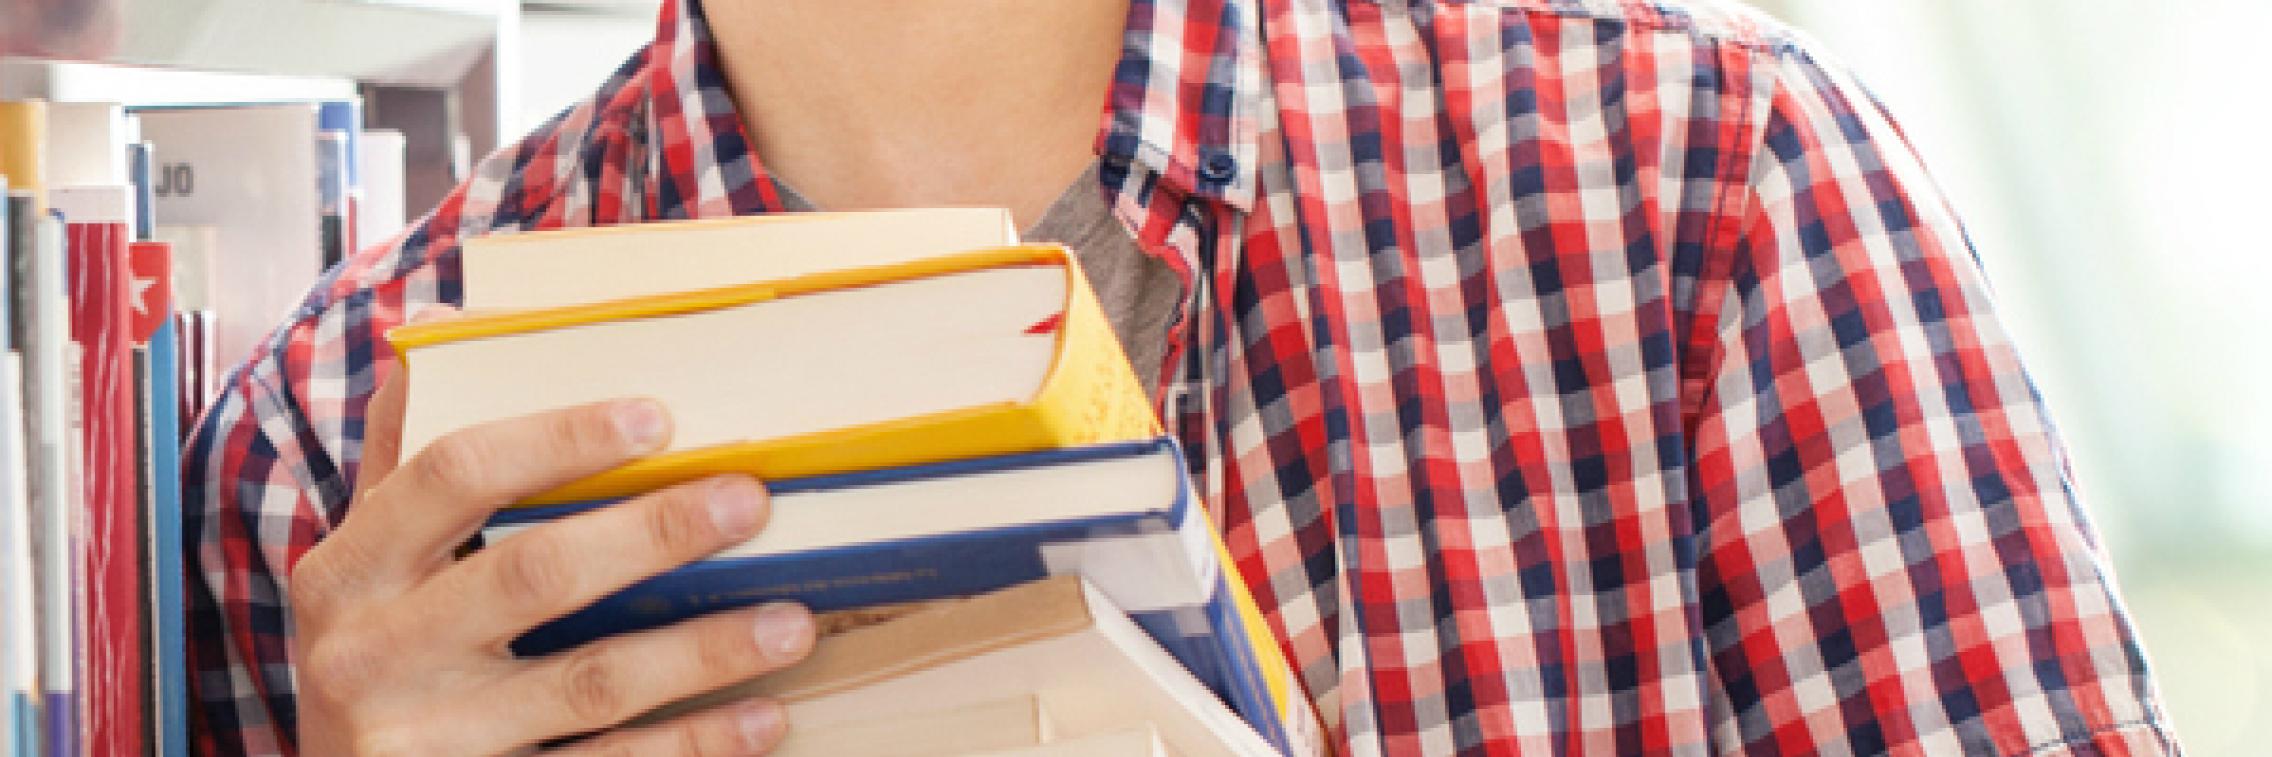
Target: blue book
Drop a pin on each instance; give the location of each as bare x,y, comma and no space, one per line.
160,424
1121,515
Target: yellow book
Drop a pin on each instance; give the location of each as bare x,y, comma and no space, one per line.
23,145
976,354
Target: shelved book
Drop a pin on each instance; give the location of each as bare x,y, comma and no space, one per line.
933,422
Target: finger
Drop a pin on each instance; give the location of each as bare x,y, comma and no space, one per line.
548,571
743,728
382,431
611,680
412,521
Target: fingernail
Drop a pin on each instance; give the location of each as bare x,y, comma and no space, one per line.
761,724
642,423
737,504
784,631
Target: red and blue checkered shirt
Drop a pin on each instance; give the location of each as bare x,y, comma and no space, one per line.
1567,377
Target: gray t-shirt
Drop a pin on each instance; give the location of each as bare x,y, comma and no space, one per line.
1138,292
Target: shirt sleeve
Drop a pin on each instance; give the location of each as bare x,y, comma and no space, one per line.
1892,556
247,518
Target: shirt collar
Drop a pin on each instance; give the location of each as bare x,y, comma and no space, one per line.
1184,104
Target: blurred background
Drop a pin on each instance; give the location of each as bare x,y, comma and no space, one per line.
2110,162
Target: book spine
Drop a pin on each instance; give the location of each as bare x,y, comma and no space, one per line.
865,575
19,631
1257,681
101,305
152,262
1091,394
49,365
23,145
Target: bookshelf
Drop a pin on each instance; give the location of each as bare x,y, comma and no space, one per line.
439,71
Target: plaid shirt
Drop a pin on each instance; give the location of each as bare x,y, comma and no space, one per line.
1567,376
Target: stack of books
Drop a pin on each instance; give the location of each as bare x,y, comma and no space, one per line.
967,478
120,227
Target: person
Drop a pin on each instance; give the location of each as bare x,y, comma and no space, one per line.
1566,377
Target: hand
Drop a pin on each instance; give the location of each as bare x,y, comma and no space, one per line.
401,649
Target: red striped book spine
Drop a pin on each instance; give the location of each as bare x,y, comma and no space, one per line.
101,284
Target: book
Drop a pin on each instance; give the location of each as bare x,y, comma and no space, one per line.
1139,741
1011,722
150,266
384,211
1121,515
98,224
548,269
980,353
23,146
333,197
195,320
41,300
1060,639
19,646
19,631
222,167
86,144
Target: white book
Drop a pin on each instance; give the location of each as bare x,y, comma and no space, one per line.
768,369
86,143
51,363
1092,669
582,266
1137,741
250,172
385,199
1010,723
19,632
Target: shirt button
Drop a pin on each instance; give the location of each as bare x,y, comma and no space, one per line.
1218,168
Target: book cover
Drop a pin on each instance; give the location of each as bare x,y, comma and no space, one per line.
19,650
23,146
1061,639
43,331
226,167
384,208
1088,393
339,150
151,268
19,630
192,286
98,227
86,144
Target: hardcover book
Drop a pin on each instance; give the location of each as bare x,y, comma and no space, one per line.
157,402
982,353
98,225
1060,640
43,333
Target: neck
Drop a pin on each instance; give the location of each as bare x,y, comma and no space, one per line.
901,103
